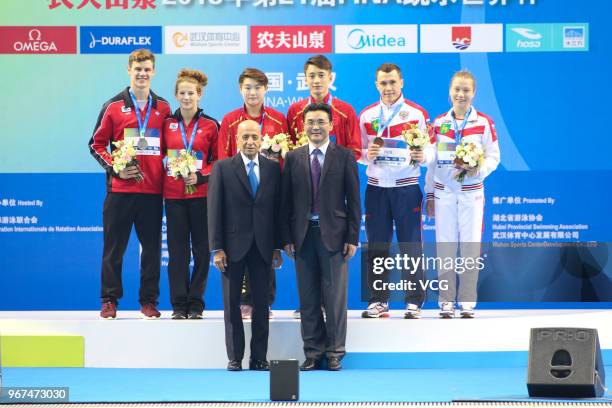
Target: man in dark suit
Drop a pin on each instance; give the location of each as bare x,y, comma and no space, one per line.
321,214
244,193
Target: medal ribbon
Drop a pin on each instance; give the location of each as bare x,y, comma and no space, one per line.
384,124
142,125
193,133
459,131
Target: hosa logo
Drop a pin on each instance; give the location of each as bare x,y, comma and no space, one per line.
356,39
37,40
531,38
119,40
461,37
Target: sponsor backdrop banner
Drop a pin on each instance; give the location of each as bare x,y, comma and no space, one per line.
542,73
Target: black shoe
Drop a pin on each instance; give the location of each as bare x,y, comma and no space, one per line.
195,315
234,365
334,364
179,315
310,364
259,365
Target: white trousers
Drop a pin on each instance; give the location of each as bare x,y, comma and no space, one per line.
459,217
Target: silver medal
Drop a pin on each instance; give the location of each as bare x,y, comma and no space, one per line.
142,143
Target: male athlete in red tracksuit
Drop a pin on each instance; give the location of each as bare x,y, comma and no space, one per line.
345,131
136,115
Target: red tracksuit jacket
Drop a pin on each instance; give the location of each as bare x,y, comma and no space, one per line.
117,121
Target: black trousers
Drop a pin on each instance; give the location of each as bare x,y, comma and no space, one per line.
322,278
187,225
121,211
246,298
231,280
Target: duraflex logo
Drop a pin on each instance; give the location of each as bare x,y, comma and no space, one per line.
119,40
142,41
376,39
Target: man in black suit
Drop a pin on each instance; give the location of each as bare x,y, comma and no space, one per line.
321,215
243,197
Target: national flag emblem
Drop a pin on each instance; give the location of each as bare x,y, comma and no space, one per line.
376,125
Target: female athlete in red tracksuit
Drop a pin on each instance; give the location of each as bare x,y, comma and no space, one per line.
190,129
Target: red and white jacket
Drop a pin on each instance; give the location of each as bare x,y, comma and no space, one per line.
204,146
369,122
274,123
117,121
345,131
480,130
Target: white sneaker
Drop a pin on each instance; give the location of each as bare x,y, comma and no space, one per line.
412,311
467,312
375,310
447,310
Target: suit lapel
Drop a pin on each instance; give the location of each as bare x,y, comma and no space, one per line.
240,170
329,158
305,158
264,175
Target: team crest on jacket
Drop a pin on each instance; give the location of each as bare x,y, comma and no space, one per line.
173,126
126,109
444,128
375,125
404,115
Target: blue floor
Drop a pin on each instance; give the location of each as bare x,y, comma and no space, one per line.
349,385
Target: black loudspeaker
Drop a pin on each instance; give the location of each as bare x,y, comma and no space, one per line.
565,362
284,380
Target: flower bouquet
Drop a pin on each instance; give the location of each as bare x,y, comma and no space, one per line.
124,155
301,140
276,146
469,158
417,140
182,165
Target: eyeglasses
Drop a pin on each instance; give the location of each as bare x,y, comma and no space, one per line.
317,123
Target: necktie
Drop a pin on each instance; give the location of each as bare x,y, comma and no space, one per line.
253,178
315,173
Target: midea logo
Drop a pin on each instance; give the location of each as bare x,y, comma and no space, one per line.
358,39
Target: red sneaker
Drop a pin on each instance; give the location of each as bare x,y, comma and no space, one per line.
109,311
149,311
